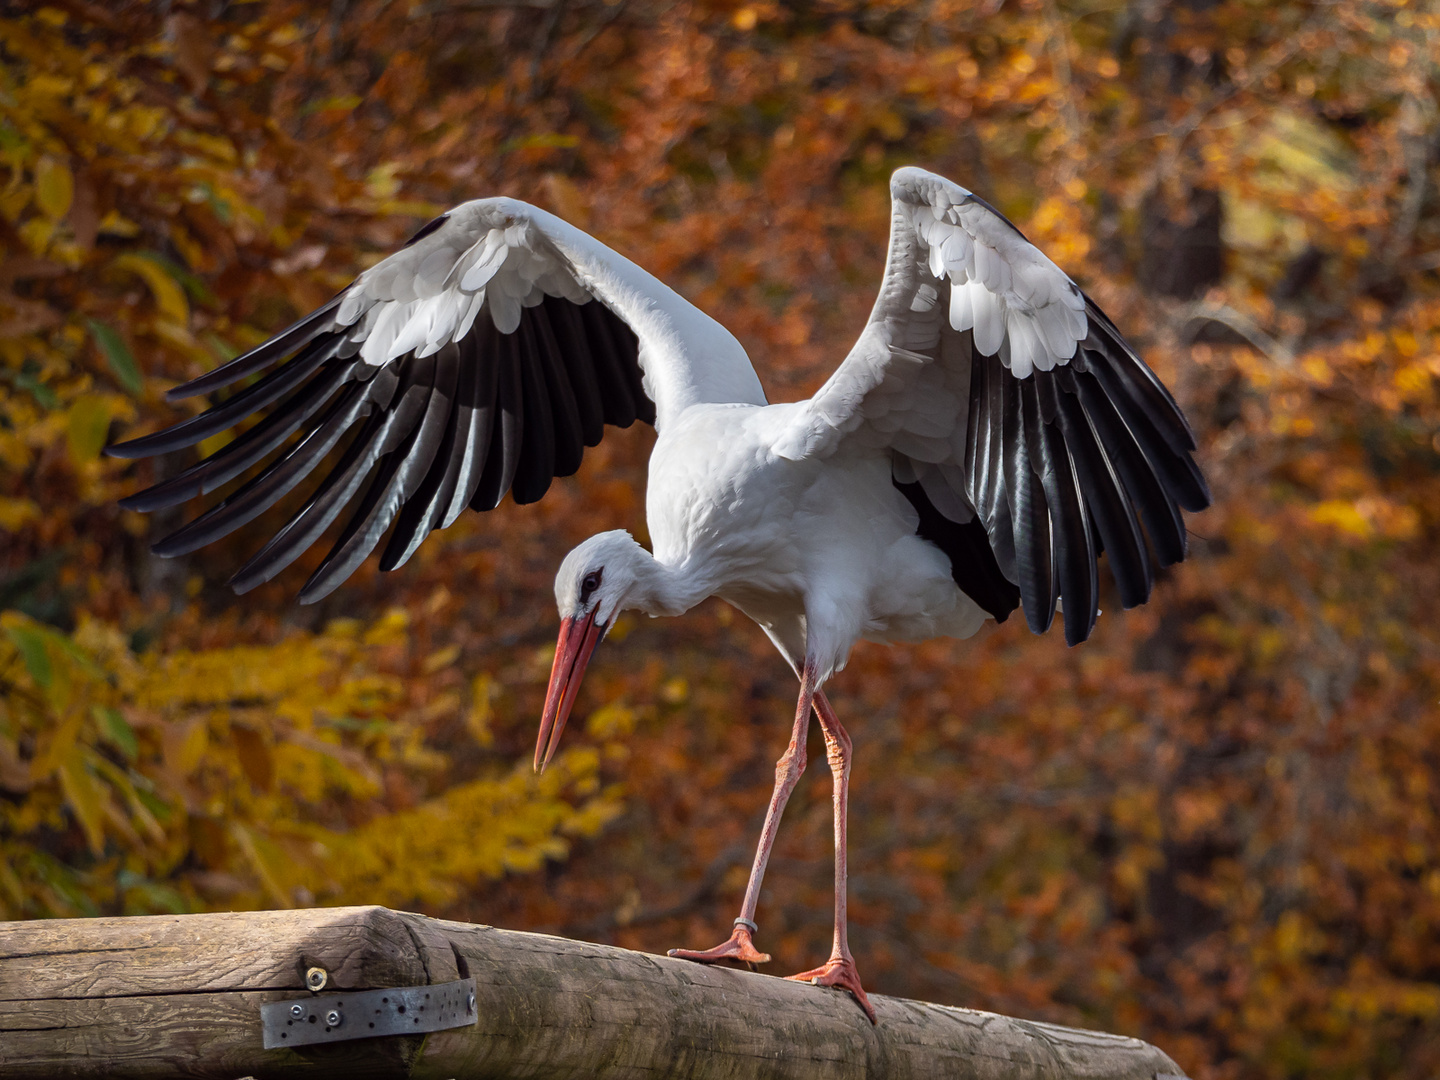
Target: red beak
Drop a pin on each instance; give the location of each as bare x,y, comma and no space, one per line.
572,653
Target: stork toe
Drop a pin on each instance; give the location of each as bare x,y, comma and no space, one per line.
739,949
842,975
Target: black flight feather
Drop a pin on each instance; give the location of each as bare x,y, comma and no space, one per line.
1117,532
479,373
507,427
568,447
401,473
234,409
1146,385
489,414
1073,559
421,512
557,326
262,492
431,479
985,460
536,467
1030,517
385,430
621,408
249,446
1176,470
299,333
1158,510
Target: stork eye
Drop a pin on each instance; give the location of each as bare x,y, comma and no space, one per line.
588,586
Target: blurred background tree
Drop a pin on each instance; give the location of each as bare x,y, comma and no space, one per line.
1216,825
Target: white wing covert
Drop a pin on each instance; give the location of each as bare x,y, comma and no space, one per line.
1023,428
480,359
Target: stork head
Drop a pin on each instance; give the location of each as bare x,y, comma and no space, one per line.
593,584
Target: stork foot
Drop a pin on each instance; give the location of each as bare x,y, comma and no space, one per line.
842,975
739,950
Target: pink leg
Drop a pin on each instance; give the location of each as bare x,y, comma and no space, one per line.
740,946
839,970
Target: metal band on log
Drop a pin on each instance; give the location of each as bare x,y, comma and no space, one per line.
180,996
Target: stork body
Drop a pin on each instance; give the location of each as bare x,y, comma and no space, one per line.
818,553
988,436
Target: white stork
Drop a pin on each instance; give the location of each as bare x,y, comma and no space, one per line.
988,436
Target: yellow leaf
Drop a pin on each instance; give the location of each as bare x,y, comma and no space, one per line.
381,182
184,745
145,122
445,704
54,188
58,749
440,659
482,692
85,798
37,233
89,425
255,757
1293,937
12,203
1413,382
138,810
169,296
11,883
216,146
181,338
216,442
1343,515
52,86
389,629
15,514
611,721
112,224
250,848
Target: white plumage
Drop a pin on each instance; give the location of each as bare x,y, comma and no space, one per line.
989,432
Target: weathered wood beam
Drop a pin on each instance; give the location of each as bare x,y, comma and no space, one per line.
180,996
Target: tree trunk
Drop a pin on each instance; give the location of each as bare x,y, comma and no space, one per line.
181,996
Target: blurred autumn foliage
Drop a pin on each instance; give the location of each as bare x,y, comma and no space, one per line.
1216,825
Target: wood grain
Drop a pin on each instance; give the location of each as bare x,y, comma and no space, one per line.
361,947
179,996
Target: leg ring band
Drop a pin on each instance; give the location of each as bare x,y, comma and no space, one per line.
748,924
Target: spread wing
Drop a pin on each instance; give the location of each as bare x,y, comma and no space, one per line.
1026,432
480,359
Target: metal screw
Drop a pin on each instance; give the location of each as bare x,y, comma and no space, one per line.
470,1002
333,1018
316,978
297,1010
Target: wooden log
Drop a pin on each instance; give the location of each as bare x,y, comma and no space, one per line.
180,996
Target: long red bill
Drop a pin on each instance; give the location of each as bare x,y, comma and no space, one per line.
572,652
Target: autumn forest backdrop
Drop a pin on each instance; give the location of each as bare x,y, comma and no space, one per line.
1216,825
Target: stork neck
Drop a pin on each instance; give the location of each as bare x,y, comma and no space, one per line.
662,589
